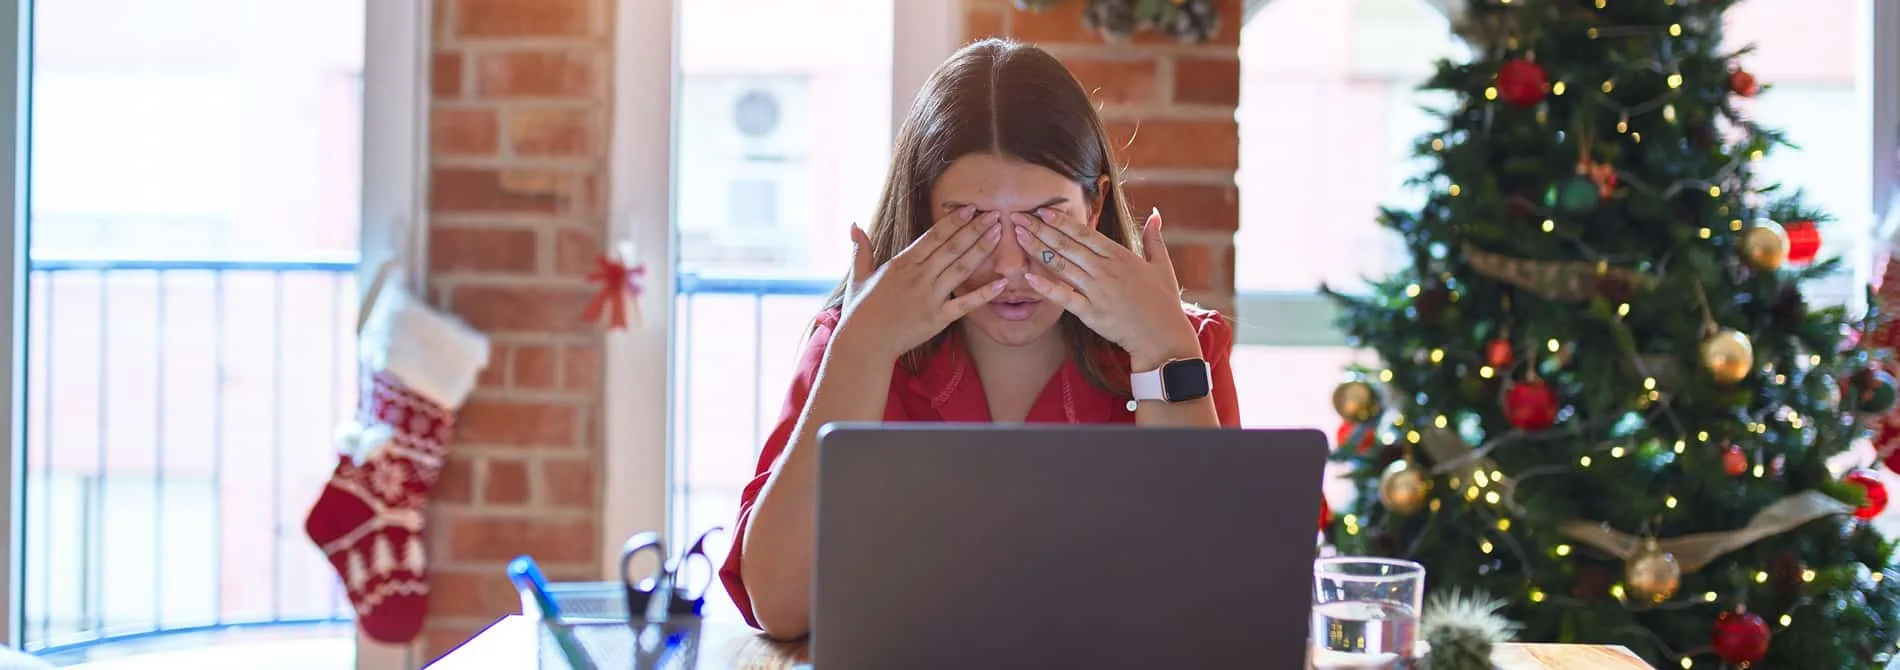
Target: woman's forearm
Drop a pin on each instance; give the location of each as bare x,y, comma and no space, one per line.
1191,414
776,559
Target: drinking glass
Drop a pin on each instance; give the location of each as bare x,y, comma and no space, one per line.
1365,611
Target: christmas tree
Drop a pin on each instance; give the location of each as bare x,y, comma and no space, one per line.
1603,396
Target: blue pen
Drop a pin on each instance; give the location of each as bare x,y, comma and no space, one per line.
527,577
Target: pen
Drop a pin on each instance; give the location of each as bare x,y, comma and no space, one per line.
527,577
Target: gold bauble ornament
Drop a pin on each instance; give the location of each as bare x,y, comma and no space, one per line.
1403,488
1729,356
1357,401
1652,574
1764,246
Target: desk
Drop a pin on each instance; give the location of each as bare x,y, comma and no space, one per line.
509,643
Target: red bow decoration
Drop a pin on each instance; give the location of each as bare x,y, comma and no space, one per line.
619,284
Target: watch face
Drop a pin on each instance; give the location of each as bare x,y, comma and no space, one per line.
1184,380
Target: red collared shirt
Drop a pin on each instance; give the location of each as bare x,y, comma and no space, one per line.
946,389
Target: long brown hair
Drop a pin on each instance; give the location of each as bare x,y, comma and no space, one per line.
1014,100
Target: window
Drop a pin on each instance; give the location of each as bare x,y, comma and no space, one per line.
1328,115
782,141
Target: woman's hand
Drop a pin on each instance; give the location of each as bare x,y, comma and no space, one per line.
1132,300
892,309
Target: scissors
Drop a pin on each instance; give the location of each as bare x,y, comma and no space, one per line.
674,598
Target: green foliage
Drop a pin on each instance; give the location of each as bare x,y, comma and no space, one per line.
1639,407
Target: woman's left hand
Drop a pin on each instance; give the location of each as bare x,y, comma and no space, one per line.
1130,298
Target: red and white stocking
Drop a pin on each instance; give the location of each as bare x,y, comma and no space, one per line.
419,366
1886,427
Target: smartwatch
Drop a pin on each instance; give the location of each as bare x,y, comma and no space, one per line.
1179,380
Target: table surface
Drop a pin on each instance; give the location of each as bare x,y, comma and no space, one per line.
510,642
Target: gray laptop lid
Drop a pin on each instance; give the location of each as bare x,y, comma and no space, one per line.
967,546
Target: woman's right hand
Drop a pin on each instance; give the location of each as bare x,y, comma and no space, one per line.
891,309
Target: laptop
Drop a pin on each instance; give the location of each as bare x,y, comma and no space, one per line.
992,546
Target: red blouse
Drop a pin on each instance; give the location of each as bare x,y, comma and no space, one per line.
947,389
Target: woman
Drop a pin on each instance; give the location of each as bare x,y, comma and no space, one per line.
1002,279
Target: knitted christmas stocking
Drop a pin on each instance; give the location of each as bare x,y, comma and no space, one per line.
369,520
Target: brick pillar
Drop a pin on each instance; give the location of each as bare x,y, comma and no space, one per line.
1170,108
518,173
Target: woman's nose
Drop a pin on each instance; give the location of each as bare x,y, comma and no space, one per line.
1011,260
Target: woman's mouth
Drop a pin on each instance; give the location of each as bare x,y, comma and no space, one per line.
1015,308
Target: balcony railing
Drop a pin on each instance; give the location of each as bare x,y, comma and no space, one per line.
179,418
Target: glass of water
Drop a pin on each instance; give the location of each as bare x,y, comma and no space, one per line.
1365,611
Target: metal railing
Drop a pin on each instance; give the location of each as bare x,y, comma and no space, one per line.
179,418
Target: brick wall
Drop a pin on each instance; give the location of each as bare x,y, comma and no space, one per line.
518,173
1170,106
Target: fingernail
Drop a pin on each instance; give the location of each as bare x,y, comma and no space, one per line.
1022,236
998,285
1031,278
995,233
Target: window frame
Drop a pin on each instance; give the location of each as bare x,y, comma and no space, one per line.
16,28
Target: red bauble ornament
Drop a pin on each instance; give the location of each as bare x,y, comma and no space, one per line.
1522,83
1325,514
1497,353
1743,83
1804,241
1875,490
1344,435
1740,637
1734,462
1530,405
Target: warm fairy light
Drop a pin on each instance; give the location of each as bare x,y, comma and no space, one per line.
1654,396
1794,420
1814,359
1472,493
1486,372
1702,436
1497,476
1649,383
1715,191
1552,345
1434,505
1708,597
1549,225
1440,421
1411,436
1675,30
1622,125
1492,497
1879,576
1616,590
1537,595
1755,155
1563,550
1490,92
1759,471
1411,290
1504,524
1438,355
1592,33
1675,81
1623,309
1385,375
1616,452
1484,546
1807,575
1601,3
1480,478
1735,225
1454,190
1705,233
1583,461
1787,620
1557,88
1438,145
1636,137
1781,379
1669,111
1608,86
1761,577
1669,502
1687,663
1680,447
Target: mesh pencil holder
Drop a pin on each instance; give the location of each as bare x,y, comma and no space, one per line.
595,624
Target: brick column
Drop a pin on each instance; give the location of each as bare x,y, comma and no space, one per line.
518,173
1170,109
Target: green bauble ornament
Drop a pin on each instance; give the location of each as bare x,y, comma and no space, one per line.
1573,194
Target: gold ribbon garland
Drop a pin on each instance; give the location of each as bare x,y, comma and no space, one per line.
1554,280
1692,552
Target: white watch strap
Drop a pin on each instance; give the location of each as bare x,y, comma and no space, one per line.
1146,385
